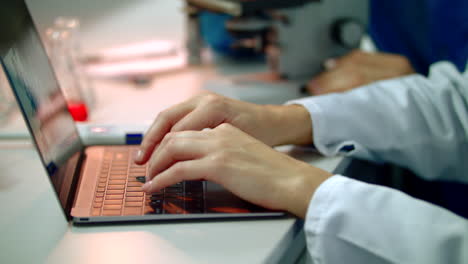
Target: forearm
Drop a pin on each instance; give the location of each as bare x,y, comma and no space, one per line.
415,122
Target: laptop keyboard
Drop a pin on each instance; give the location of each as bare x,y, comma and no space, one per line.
119,190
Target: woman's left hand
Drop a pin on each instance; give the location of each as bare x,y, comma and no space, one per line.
242,164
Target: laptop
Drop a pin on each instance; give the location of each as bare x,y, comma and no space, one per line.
95,184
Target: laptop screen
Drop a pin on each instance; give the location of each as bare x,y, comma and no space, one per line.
38,94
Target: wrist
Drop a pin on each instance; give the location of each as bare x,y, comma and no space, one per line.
303,188
292,125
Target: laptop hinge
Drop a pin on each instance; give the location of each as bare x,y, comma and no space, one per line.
76,170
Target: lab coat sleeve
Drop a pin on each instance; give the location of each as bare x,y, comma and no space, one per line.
416,122
349,221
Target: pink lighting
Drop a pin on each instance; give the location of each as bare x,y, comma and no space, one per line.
98,129
147,49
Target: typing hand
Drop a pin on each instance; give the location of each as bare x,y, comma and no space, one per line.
356,69
242,164
273,125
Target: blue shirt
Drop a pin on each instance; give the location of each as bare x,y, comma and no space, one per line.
425,31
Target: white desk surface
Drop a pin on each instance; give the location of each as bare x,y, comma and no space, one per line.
33,228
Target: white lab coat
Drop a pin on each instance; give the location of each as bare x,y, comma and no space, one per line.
416,122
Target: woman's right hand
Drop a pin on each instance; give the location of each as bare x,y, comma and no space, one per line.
271,124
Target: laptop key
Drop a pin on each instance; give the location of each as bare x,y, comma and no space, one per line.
113,202
135,194
116,182
118,173
174,201
120,156
115,187
194,195
119,166
112,207
115,191
173,195
132,211
171,189
156,203
132,179
110,212
138,170
141,179
134,199
133,204
134,184
114,197
118,177
153,210
134,189
96,211
155,197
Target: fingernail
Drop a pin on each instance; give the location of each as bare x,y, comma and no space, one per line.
139,155
330,64
146,186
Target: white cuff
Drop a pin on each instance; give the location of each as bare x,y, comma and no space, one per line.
317,212
327,125
318,127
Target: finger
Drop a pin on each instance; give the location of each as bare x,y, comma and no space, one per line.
333,63
177,148
355,57
180,171
200,118
160,127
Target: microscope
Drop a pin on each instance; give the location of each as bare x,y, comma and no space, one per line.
295,36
